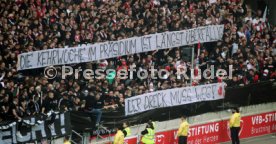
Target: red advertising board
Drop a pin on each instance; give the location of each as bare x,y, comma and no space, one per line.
260,124
131,140
217,132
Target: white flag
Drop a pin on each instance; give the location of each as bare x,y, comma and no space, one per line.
264,15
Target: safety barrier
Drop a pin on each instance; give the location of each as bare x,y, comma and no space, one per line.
252,94
245,96
213,128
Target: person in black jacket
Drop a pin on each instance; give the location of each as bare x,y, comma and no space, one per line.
33,107
65,104
50,104
17,113
95,105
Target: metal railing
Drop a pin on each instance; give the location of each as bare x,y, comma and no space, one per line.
78,135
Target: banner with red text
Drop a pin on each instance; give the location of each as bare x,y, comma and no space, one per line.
174,97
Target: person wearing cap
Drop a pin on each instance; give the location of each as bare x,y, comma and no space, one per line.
265,76
234,124
126,131
148,134
182,132
119,136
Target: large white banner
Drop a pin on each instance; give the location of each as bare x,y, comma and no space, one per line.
111,49
173,97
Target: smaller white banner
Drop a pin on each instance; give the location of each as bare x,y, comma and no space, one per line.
173,97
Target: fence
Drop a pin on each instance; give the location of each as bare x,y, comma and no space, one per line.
263,92
81,122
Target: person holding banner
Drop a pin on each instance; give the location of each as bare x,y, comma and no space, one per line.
183,130
235,123
148,134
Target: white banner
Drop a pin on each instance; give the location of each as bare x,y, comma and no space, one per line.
173,97
212,1
111,49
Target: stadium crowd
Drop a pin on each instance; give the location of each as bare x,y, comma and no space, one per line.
30,25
